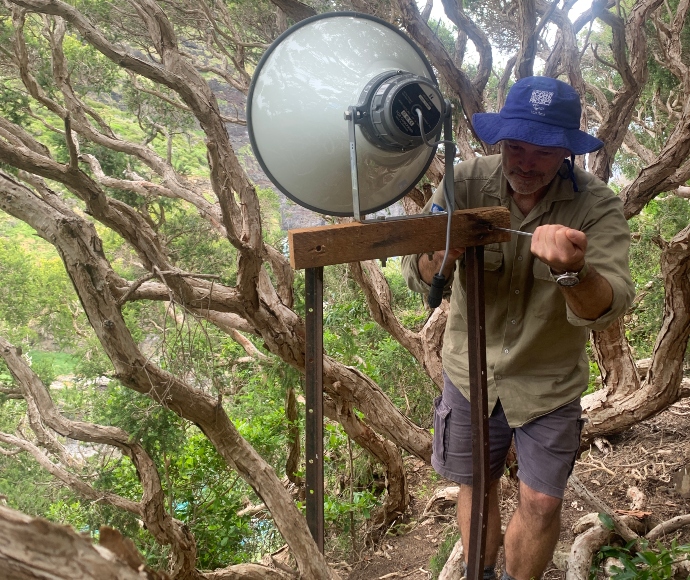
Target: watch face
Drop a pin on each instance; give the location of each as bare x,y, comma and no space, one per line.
568,279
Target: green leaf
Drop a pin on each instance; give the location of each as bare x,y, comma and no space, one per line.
607,521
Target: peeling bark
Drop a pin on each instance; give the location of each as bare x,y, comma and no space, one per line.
151,509
79,247
611,411
34,549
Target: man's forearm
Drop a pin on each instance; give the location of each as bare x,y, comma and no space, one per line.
590,298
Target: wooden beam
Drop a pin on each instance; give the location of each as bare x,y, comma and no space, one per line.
353,242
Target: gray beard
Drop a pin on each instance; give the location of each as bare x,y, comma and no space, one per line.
518,187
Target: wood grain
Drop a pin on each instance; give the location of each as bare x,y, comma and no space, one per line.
353,242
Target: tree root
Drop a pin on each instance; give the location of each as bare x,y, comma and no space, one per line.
589,542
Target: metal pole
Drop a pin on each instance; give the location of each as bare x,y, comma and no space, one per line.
351,118
314,402
449,159
474,261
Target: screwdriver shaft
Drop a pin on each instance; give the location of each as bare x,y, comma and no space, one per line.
513,231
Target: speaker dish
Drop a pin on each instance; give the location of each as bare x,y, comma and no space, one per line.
301,89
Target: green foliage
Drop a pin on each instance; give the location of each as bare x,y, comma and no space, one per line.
337,510
12,410
661,218
352,336
90,71
594,375
207,496
439,559
199,488
646,564
502,38
93,361
27,486
158,429
273,232
155,114
49,365
113,163
28,266
13,103
196,247
353,490
446,34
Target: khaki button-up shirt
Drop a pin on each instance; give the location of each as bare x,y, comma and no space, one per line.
535,345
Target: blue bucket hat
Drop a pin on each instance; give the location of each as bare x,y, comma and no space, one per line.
541,111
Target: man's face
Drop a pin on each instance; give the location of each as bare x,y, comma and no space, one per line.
530,168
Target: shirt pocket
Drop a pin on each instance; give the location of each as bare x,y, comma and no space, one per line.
493,257
493,270
547,301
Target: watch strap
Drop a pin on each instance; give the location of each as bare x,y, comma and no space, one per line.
570,278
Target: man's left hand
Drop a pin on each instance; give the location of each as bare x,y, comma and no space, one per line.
560,247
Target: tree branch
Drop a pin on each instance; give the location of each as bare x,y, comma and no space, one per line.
152,506
88,269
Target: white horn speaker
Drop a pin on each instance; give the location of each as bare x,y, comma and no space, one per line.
300,95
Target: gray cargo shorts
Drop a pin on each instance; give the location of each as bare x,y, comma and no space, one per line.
546,446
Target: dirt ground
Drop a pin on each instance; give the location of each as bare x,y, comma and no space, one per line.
648,457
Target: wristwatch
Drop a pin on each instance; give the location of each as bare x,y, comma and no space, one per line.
570,279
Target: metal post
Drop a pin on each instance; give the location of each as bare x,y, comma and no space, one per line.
449,159
314,402
351,118
474,261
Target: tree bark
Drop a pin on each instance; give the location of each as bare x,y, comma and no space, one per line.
527,22
34,549
151,508
397,498
80,250
615,410
630,55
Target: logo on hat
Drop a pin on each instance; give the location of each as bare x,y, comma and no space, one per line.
539,100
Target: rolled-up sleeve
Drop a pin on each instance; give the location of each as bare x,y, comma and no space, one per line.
608,245
410,271
410,264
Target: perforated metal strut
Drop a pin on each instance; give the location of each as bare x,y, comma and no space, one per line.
314,402
474,265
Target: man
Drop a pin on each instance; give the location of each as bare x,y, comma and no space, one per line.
543,294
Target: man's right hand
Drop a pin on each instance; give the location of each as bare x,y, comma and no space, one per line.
429,267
